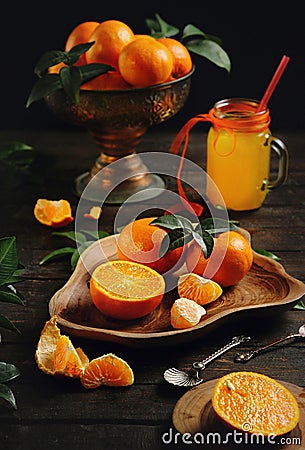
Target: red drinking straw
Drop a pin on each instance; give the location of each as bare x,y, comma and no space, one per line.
273,83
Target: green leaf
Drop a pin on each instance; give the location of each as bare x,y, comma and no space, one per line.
77,51
74,259
8,258
8,372
64,251
160,28
71,80
76,254
10,148
211,51
43,87
266,253
173,222
10,297
15,277
300,305
217,225
191,30
6,323
98,234
49,59
7,394
206,242
75,236
92,70
173,239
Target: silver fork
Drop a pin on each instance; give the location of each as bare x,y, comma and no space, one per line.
244,357
192,377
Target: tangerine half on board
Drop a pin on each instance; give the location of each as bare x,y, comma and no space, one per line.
256,403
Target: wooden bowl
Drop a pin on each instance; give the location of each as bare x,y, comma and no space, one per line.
266,288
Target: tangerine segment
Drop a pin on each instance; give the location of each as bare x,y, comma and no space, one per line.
255,401
56,355
68,359
186,313
139,241
54,213
107,370
126,290
199,289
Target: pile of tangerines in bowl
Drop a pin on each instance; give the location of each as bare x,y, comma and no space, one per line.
137,60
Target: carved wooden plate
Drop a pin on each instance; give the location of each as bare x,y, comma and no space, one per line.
194,414
266,287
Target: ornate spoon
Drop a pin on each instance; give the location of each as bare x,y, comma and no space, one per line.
244,357
193,377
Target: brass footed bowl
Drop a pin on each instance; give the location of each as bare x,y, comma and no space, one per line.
117,120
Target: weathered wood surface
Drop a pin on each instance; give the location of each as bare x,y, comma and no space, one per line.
60,414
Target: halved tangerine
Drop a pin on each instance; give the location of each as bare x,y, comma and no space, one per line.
53,213
126,290
198,288
255,403
107,370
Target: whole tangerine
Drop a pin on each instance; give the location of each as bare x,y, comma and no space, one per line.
110,37
106,81
182,64
229,263
140,241
145,62
80,35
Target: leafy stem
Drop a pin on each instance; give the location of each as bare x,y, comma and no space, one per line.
70,76
10,273
194,39
83,239
181,231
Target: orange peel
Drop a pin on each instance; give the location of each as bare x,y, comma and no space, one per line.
56,355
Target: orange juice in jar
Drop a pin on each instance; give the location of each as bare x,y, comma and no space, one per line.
239,144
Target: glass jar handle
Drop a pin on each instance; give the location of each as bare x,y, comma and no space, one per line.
282,153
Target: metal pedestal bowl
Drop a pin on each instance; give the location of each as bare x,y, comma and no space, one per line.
117,120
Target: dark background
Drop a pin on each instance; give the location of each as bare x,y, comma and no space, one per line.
255,35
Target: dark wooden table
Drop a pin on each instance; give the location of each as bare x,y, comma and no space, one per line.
60,414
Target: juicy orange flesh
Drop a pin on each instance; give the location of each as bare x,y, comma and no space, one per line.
66,358
199,289
245,398
128,281
107,370
186,313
